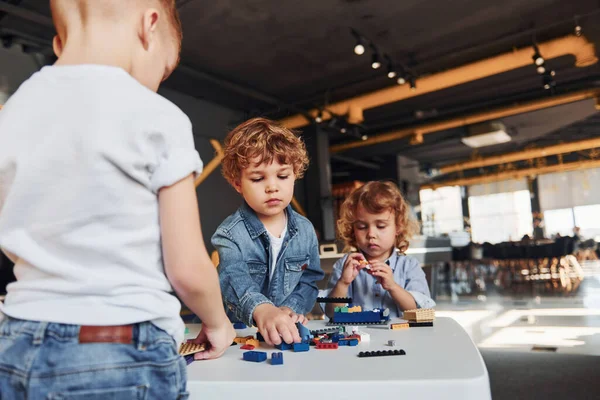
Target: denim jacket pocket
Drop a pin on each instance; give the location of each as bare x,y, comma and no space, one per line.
294,267
258,272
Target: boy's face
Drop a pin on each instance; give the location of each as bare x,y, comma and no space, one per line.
267,188
375,233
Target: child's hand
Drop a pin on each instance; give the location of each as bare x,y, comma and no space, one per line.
354,263
217,340
295,317
276,324
384,275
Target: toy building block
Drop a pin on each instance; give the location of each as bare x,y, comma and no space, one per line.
364,336
420,324
335,329
240,340
381,353
259,337
189,359
304,332
191,348
327,346
398,326
344,300
252,342
239,325
357,337
247,347
277,358
283,346
420,314
255,356
368,317
234,344
391,343
348,342
298,347
354,309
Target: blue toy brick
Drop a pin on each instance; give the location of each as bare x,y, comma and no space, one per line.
255,356
283,346
304,332
342,343
352,342
277,358
298,347
363,317
239,325
259,337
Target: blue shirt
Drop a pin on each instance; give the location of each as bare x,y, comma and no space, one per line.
367,293
245,262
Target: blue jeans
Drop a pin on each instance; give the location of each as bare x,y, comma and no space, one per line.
42,360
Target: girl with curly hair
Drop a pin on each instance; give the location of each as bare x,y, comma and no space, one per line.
375,220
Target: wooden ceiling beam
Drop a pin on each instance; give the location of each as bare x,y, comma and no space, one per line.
496,113
561,148
515,174
578,46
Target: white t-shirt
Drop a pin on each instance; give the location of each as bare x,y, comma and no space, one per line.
83,152
276,243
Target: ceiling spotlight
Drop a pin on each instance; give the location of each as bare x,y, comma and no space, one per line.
546,86
343,130
319,117
391,74
541,69
364,137
375,64
359,49
413,83
401,81
552,73
537,57
578,29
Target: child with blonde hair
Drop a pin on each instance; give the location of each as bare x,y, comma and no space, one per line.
269,254
375,220
98,211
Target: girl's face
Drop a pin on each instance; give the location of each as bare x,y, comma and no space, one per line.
375,233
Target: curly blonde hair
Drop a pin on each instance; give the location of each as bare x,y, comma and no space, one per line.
377,197
265,139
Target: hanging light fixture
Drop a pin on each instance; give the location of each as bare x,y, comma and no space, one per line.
375,63
537,57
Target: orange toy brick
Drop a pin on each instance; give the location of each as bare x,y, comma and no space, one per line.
420,315
191,348
400,325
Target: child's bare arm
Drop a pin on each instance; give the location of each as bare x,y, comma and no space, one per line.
187,264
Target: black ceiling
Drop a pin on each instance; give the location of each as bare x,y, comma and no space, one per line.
278,58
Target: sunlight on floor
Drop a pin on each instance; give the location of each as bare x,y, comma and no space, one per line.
539,335
511,316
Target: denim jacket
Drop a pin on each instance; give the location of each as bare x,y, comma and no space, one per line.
245,259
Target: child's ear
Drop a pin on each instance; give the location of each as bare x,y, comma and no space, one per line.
149,27
237,186
57,45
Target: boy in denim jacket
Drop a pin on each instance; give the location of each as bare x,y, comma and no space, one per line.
269,260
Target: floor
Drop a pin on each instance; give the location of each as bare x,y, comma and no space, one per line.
559,324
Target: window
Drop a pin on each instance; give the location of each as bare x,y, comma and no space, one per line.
500,217
588,219
559,221
441,210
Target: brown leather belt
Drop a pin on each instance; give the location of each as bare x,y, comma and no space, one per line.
106,334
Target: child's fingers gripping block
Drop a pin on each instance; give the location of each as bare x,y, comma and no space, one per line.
191,348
